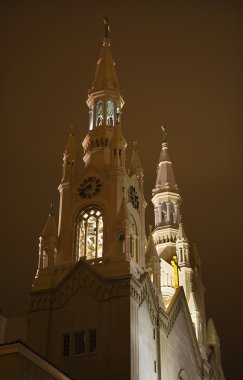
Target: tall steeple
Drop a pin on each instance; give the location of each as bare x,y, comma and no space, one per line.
105,74
48,248
105,103
165,176
166,200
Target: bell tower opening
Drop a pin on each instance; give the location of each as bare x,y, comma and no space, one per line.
99,113
110,113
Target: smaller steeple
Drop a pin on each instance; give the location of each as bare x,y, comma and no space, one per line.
50,228
212,336
105,103
181,231
182,246
135,165
165,175
48,243
70,158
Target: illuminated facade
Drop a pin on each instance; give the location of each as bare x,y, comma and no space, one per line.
107,302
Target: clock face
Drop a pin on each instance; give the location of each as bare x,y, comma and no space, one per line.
133,197
90,187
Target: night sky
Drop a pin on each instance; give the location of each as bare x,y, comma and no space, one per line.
179,64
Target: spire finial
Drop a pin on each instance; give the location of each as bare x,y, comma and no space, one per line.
71,127
51,208
164,134
107,27
135,145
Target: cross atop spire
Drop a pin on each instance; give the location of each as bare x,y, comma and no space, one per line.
107,27
51,208
165,175
164,134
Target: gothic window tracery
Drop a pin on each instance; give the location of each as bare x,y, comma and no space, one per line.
164,210
90,233
168,212
99,113
133,197
110,113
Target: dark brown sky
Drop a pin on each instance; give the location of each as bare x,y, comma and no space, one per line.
179,64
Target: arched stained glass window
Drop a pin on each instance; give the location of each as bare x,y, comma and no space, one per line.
110,113
90,233
99,113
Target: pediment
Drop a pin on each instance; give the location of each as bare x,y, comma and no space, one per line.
82,275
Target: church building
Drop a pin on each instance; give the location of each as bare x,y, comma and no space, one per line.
108,302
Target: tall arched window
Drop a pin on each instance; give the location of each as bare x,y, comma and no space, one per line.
90,233
99,113
110,113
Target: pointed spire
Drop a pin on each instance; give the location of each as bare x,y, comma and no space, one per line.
72,147
123,216
212,336
135,165
181,232
192,303
165,177
151,251
196,257
50,228
107,27
105,74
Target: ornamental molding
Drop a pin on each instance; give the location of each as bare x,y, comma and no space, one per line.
82,276
141,290
22,313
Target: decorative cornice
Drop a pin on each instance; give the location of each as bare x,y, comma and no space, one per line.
83,276
12,314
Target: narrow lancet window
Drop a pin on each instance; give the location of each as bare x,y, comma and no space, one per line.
110,113
90,233
99,113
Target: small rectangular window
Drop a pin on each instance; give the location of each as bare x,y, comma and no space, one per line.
65,345
79,343
155,366
92,340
